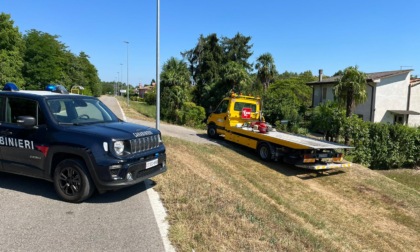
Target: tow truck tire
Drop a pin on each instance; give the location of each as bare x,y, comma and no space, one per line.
212,131
264,151
72,182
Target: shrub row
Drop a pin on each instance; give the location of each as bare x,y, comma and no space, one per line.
191,115
383,146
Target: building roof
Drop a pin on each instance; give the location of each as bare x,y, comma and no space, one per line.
414,81
371,77
404,112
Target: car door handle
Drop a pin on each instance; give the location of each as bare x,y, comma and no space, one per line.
6,133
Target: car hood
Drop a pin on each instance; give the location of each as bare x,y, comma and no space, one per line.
115,130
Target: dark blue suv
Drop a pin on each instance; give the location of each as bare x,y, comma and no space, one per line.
76,142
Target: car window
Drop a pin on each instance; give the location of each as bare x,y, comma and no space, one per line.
14,107
79,110
240,105
222,108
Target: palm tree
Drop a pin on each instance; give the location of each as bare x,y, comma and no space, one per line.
175,73
351,89
266,69
175,86
234,73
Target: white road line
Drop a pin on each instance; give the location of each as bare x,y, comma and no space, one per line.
158,209
160,216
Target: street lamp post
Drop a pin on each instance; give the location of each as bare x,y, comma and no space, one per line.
117,83
157,64
128,85
121,75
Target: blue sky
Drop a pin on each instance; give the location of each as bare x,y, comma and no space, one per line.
301,35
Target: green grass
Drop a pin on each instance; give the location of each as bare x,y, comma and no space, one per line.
140,107
145,109
223,198
408,177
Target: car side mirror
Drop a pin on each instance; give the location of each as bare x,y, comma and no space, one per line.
26,121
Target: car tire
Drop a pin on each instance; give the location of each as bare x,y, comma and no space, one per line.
212,131
264,151
72,182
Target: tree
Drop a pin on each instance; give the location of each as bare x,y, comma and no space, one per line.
205,61
237,49
90,75
328,118
213,63
339,73
351,89
235,76
266,69
44,59
12,47
175,88
175,73
288,97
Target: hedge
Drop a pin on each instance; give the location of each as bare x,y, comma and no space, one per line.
384,146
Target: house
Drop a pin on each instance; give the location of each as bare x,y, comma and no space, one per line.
392,96
144,89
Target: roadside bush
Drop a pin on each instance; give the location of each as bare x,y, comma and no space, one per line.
402,146
191,115
384,146
150,97
359,133
134,97
328,118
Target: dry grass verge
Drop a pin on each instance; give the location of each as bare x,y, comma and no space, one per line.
224,199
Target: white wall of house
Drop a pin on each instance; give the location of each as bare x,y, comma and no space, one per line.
391,94
323,93
365,109
414,120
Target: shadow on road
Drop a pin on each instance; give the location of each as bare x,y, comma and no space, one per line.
122,194
46,189
28,185
218,141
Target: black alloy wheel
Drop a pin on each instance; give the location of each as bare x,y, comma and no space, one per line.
72,182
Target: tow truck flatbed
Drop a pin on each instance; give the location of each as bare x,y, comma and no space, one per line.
290,140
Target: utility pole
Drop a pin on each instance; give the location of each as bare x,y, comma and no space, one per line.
157,65
128,85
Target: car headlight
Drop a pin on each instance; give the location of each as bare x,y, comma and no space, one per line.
119,147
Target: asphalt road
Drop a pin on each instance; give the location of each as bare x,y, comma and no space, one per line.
32,218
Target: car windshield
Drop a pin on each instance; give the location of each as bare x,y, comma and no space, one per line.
80,110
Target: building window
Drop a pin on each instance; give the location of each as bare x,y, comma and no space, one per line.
324,94
398,119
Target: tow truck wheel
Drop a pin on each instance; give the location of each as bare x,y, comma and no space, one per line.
72,182
212,131
264,151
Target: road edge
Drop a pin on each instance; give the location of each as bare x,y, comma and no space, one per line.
159,210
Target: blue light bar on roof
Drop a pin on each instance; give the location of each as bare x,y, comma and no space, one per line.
10,86
56,88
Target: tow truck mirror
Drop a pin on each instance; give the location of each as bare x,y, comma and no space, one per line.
26,121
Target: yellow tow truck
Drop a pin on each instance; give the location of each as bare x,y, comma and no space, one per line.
239,119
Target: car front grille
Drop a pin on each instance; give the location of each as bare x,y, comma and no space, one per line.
144,143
